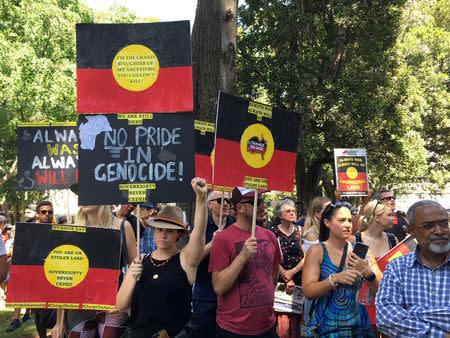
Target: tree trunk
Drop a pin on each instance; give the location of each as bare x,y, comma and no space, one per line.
214,49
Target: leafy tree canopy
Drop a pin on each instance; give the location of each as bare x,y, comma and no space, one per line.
344,65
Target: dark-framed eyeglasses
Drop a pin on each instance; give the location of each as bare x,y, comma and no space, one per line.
388,198
44,212
431,225
227,200
258,203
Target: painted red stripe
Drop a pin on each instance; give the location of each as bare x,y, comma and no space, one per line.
98,92
230,167
203,167
352,186
28,284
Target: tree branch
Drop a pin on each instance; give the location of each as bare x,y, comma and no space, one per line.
9,174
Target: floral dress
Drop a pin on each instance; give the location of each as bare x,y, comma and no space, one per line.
292,250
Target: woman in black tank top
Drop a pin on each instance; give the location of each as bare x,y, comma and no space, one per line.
158,286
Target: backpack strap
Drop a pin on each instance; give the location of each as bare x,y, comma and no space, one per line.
358,237
391,238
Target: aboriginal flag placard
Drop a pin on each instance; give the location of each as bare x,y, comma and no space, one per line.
256,145
75,267
129,68
134,158
204,150
47,155
351,171
403,248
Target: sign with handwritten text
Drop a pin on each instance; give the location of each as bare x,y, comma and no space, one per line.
47,155
124,159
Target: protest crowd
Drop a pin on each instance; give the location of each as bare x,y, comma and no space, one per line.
293,278
133,263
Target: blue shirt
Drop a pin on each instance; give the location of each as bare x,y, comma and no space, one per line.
148,241
203,289
414,300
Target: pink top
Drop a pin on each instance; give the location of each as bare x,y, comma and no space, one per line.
247,307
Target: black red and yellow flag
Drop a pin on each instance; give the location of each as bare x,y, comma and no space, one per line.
72,267
204,150
256,145
404,247
132,68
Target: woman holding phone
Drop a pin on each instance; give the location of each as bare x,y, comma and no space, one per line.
332,275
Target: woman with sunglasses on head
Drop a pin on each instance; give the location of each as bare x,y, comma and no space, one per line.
377,217
76,321
290,238
158,285
331,276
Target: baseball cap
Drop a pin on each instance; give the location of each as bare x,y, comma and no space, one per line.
239,193
148,205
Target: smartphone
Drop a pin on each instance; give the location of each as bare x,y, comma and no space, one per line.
360,250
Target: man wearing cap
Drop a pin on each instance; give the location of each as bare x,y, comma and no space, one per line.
400,228
244,272
204,297
125,212
148,212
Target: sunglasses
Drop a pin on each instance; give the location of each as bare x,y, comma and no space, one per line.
387,198
228,200
44,212
378,203
258,203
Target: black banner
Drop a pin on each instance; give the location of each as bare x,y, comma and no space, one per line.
47,155
134,158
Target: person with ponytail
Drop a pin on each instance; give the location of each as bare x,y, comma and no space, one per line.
377,217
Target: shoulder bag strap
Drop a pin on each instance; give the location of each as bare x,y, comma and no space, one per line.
391,238
124,243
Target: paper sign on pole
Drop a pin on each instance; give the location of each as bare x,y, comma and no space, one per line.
134,158
351,171
256,145
47,155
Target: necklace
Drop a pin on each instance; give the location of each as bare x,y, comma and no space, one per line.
161,264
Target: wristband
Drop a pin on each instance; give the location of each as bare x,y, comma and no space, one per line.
371,277
295,269
332,282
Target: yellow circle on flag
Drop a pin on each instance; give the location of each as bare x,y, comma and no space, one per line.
212,156
135,68
66,266
257,145
352,172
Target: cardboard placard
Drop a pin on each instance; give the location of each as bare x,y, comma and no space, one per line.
68,270
47,155
134,158
127,68
351,171
256,145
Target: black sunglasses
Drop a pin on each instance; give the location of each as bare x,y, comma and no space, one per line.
43,212
388,198
258,203
378,203
228,200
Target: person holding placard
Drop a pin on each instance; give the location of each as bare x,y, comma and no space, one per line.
245,270
158,285
79,322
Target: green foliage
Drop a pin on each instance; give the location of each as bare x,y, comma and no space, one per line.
343,65
38,70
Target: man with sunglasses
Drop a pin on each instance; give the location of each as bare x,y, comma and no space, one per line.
244,271
204,298
400,228
44,212
414,299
